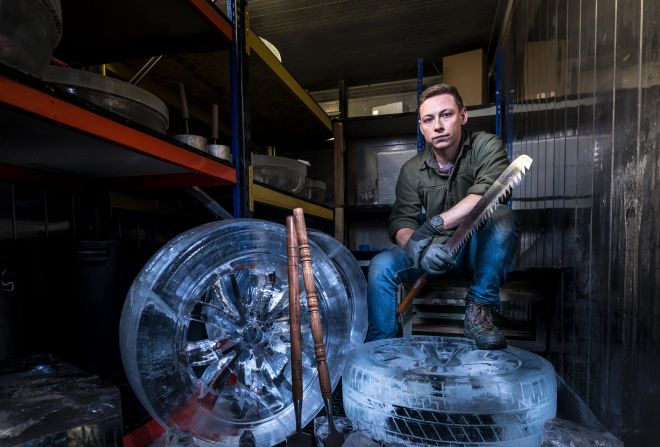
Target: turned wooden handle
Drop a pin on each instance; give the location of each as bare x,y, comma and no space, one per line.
412,293
214,123
313,304
184,102
294,309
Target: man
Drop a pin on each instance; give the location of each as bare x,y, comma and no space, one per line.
445,181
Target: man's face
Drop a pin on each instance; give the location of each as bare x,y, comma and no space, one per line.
441,121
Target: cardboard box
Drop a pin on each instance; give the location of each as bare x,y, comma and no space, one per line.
544,71
467,72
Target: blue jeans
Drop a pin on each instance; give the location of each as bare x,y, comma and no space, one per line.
486,258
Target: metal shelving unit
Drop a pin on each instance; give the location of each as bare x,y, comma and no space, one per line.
52,135
66,140
93,144
263,194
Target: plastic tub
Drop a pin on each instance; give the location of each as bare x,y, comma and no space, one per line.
315,190
283,173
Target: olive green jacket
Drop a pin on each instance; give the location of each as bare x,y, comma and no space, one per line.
422,188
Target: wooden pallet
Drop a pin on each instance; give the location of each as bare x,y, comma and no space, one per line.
526,307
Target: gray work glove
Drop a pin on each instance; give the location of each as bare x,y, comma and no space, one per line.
418,242
437,259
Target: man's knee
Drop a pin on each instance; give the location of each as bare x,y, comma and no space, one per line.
505,223
383,264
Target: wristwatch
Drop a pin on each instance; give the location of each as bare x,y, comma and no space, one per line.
437,222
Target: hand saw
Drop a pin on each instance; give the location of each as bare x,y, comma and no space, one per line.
481,212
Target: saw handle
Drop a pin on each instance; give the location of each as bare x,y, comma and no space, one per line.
313,305
451,243
412,293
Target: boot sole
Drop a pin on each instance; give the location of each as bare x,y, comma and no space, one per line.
485,346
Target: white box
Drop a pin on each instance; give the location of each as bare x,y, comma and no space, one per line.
388,109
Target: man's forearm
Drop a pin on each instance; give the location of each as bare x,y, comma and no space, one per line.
455,215
402,236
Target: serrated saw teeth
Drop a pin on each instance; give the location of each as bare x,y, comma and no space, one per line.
485,207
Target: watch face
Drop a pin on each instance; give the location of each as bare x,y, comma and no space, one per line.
437,221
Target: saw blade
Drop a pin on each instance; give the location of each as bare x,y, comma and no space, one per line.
509,178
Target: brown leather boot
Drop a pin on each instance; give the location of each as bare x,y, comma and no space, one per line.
479,326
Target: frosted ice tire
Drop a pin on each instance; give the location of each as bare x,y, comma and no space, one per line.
443,391
204,332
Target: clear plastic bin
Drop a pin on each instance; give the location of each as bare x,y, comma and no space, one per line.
315,190
283,173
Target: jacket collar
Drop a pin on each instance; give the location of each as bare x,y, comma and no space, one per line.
428,159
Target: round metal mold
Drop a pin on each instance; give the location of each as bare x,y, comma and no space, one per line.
221,151
117,96
205,331
29,32
196,141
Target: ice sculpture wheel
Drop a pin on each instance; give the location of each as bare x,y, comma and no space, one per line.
439,391
205,330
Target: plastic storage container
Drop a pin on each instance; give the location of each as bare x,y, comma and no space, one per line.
315,190
284,173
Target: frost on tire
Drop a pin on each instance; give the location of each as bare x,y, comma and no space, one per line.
439,391
204,332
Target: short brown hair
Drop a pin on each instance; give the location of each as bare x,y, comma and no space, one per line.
440,89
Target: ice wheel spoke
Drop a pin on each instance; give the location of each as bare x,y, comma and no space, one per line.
224,298
216,375
274,363
205,352
255,379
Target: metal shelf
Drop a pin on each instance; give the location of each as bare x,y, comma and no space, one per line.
63,136
264,194
381,125
282,113
269,70
98,32
196,37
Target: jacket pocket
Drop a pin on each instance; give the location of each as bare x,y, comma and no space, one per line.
434,198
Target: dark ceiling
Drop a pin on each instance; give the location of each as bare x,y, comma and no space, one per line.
369,41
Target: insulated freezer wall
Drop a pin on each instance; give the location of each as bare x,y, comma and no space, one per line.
591,204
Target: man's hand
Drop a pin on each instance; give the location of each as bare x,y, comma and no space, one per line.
418,242
437,259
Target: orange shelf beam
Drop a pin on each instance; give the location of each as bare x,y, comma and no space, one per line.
214,17
60,111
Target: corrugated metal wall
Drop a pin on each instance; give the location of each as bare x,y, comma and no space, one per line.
582,89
